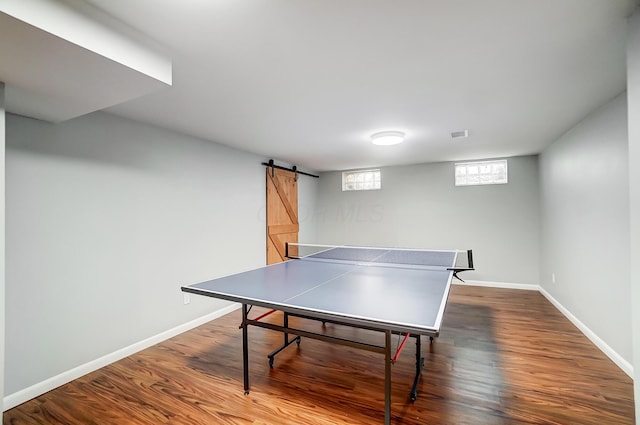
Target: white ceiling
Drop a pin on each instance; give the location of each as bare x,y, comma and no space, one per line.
307,81
61,60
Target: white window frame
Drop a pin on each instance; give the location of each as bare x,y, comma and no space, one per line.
356,180
478,173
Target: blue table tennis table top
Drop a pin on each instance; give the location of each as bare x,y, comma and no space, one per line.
399,290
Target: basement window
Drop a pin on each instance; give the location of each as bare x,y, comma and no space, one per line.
481,173
361,180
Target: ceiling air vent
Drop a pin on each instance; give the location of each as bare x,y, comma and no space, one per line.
460,134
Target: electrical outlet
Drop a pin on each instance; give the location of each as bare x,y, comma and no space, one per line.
187,298
553,278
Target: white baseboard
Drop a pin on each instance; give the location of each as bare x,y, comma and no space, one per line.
19,397
505,285
36,390
608,351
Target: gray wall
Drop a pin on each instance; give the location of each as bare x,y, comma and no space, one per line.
633,90
585,224
106,219
307,204
2,245
419,206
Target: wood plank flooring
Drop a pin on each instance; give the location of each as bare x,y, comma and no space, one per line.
503,357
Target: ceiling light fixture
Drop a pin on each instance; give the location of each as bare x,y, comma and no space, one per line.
387,138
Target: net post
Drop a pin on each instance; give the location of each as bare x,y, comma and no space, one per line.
470,258
286,250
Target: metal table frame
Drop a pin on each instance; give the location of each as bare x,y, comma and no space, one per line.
285,329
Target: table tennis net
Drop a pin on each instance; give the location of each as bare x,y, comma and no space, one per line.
446,259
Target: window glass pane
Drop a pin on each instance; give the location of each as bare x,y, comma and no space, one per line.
361,180
481,173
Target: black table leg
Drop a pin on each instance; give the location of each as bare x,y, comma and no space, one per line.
387,377
419,366
271,356
245,349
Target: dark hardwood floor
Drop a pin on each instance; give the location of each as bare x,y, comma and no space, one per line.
503,357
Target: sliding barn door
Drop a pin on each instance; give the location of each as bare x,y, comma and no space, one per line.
282,212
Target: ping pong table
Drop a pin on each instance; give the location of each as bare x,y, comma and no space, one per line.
401,292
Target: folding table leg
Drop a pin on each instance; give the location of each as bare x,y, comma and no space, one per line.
271,356
387,377
419,366
245,349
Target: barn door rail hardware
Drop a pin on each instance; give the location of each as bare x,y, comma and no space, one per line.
293,169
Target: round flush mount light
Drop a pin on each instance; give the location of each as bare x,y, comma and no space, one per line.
387,138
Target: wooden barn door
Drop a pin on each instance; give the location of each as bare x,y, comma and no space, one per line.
282,212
